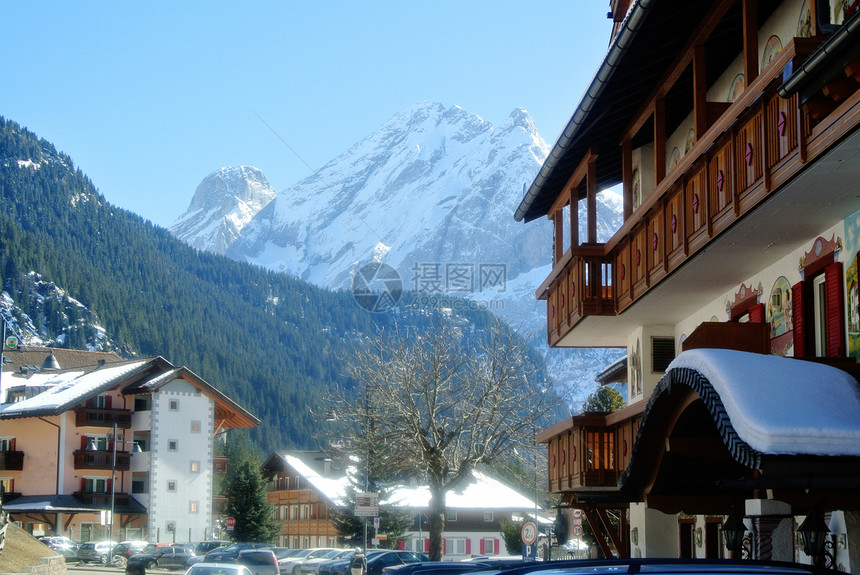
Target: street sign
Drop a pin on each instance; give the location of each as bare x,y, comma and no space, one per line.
577,530
529,533
230,522
366,505
577,513
529,552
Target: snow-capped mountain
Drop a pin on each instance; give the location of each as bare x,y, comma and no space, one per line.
430,193
223,203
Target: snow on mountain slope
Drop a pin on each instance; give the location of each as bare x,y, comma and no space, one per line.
432,193
223,203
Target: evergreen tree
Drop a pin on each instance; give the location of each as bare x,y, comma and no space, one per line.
605,399
246,502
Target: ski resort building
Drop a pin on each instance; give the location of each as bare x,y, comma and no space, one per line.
730,127
83,434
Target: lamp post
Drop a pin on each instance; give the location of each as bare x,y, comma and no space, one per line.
813,532
733,531
135,449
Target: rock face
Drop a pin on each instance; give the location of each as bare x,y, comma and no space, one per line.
431,193
224,202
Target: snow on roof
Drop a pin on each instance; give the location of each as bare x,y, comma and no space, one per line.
483,492
782,405
332,488
65,388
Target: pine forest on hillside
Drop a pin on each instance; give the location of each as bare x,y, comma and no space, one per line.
270,341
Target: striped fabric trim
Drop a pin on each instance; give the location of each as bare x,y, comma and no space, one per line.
739,449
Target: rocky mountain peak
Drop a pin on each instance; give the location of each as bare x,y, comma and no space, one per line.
223,203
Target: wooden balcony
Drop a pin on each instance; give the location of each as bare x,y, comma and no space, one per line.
102,460
11,460
101,499
219,465
219,504
760,142
588,452
100,417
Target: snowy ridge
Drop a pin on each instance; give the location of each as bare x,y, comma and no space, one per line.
434,188
223,203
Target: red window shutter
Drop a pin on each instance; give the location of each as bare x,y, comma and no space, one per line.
12,444
108,401
426,546
84,440
482,547
83,485
444,545
833,308
109,486
469,546
496,546
756,313
798,296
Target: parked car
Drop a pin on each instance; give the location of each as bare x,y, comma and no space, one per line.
340,566
231,552
295,562
655,566
218,569
378,559
62,545
176,556
259,561
95,551
126,549
204,547
311,565
453,567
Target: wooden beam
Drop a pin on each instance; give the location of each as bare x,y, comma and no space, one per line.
558,237
610,531
597,529
659,140
700,91
627,178
698,37
750,26
573,216
591,201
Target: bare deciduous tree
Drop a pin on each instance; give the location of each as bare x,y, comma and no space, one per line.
435,404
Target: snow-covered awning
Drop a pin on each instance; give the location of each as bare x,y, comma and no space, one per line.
780,405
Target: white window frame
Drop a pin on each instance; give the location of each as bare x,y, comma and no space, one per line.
819,301
489,546
455,546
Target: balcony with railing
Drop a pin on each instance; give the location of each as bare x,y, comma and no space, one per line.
758,143
588,452
103,417
219,465
86,459
101,498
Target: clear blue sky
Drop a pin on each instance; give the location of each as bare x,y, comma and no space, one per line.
149,98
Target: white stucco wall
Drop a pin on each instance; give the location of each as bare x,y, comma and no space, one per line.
190,426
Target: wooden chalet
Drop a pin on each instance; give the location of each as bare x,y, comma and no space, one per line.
731,129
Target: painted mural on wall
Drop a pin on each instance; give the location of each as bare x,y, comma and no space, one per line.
851,291
804,22
737,88
637,188
771,50
778,315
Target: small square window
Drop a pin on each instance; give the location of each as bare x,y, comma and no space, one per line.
172,445
171,526
174,405
195,467
488,516
171,486
195,427
451,515
193,507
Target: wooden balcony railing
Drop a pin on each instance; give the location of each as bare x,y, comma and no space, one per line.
11,460
100,417
590,451
219,465
102,460
89,498
219,504
758,144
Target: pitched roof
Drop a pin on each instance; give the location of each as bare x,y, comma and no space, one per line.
481,492
28,356
56,391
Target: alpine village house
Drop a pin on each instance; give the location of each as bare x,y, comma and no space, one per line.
83,433
731,129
